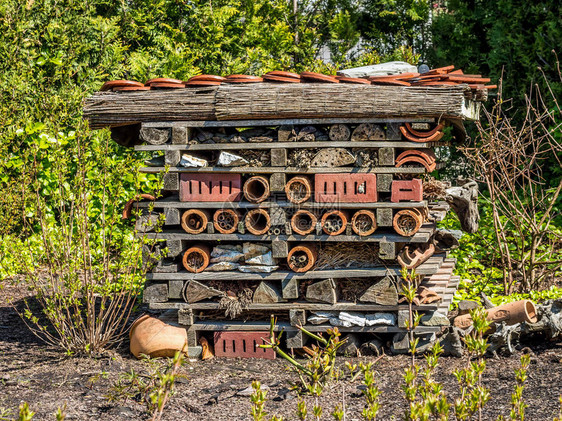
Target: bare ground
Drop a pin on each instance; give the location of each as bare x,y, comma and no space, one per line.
32,372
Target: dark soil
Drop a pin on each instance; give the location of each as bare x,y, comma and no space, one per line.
44,377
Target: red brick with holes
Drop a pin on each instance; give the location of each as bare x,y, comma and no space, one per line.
210,187
407,190
346,188
242,345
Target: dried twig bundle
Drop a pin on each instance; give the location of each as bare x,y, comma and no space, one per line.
346,255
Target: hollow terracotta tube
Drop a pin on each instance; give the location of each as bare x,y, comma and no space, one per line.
510,313
196,258
304,222
194,221
127,210
424,134
364,222
407,222
334,222
298,189
257,221
427,154
153,337
302,258
256,189
226,221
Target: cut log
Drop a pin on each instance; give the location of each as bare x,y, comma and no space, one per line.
323,292
383,292
464,202
266,293
286,134
195,291
332,157
367,131
339,133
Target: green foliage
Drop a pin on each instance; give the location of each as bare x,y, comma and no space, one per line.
371,392
25,413
506,37
153,389
258,398
318,370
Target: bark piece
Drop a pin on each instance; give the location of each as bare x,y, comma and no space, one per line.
323,291
383,292
464,202
195,291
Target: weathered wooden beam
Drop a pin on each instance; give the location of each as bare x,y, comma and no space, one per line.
155,293
383,292
323,291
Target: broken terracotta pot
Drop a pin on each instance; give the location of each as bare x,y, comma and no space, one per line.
196,258
150,82
510,313
207,352
302,258
420,133
433,138
280,73
243,79
420,255
206,78
280,79
152,337
344,79
131,88
425,156
128,209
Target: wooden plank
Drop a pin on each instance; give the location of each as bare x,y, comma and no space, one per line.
264,326
428,267
173,202
291,145
289,170
289,122
422,236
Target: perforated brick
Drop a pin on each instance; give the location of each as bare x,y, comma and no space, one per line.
210,187
347,188
407,190
242,345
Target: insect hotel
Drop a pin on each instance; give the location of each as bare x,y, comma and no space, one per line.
299,196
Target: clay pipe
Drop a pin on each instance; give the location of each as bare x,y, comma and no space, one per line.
304,222
298,189
510,313
127,210
302,258
256,189
196,258
364,222
407,222
257,221
194,221
226,221
334,222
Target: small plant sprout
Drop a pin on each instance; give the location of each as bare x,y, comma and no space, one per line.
338,413
518,406
25,413
301,410
473,395
371,392
319,368
258,401
317,410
